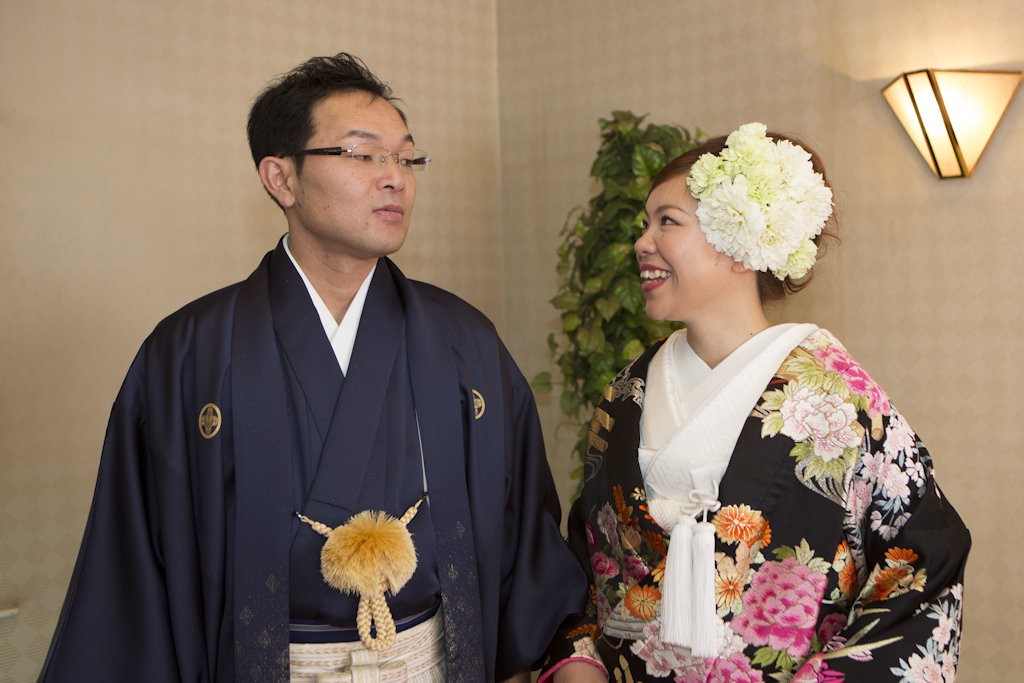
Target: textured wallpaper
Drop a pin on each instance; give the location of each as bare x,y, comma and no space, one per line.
130,191
925,289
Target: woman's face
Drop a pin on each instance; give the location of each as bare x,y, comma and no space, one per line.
683,276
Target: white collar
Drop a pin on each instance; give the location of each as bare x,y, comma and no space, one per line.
342,336
690,425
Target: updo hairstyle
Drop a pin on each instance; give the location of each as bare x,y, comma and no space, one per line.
769,288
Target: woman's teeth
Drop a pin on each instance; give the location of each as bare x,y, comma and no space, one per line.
653,274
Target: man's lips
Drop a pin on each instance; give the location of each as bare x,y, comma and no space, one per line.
390,212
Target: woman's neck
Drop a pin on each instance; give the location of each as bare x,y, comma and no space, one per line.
714,339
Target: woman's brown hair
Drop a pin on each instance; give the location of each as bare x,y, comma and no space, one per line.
769,287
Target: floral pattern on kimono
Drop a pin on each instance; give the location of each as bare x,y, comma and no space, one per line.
837,556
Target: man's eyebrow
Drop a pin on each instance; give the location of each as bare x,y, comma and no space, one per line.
367,135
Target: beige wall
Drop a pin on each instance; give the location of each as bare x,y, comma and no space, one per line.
129,192
926,288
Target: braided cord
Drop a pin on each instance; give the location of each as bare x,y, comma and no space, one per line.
375,609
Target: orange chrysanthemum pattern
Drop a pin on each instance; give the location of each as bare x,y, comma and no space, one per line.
766,534
658,573
657,542
585,630
847,570
897,578
625,513
899,556
642,601
735,523
729,587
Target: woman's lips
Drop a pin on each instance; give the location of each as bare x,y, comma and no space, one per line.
652,277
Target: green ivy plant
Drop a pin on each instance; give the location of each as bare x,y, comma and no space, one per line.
604,326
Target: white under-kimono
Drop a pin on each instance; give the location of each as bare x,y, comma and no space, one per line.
772,518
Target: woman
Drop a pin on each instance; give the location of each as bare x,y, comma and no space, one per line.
754,506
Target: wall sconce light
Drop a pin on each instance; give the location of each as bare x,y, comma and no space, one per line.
950,115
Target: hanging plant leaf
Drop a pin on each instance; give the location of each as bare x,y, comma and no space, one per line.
607,306
566,300
541,383
648,160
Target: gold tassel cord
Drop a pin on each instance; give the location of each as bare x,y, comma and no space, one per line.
369,555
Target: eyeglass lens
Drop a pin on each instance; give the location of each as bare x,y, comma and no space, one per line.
409,159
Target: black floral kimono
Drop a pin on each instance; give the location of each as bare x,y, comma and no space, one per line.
837,556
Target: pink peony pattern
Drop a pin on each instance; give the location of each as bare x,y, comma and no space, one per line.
662,659
838,360
604,608
781,606
608,524
735,669
815,670
825,418
604,565
830,626
634,569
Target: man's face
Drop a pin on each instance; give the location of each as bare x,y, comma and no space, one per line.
350,210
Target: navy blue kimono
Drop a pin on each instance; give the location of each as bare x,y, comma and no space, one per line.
235,414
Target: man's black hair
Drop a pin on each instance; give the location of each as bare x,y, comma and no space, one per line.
281,118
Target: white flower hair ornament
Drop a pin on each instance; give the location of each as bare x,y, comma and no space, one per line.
761,202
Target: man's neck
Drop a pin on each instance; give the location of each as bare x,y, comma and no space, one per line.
336,279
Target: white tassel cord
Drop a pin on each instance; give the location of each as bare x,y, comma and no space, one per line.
676,625
688,614
703,636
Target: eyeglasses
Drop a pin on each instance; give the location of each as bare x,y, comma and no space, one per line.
365,156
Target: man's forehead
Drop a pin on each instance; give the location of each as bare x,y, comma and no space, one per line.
361,115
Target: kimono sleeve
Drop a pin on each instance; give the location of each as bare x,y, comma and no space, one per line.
115,623
542,580
576,637
901,569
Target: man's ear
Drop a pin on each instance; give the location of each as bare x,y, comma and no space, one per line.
278,176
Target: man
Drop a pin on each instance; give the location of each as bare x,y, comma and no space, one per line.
327,384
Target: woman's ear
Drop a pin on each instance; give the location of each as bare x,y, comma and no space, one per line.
739,268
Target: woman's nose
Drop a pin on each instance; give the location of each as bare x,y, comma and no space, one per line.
644,244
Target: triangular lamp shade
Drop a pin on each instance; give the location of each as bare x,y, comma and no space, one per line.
951,115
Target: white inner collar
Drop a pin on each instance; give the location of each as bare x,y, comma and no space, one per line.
341,336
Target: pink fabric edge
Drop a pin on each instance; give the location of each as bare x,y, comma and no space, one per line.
550,672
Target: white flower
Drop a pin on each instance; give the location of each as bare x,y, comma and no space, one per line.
585,648
923,669
706,173
761,202
943,631
894,481
799,262
732,223
898,436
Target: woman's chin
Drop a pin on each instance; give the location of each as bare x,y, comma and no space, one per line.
654,312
